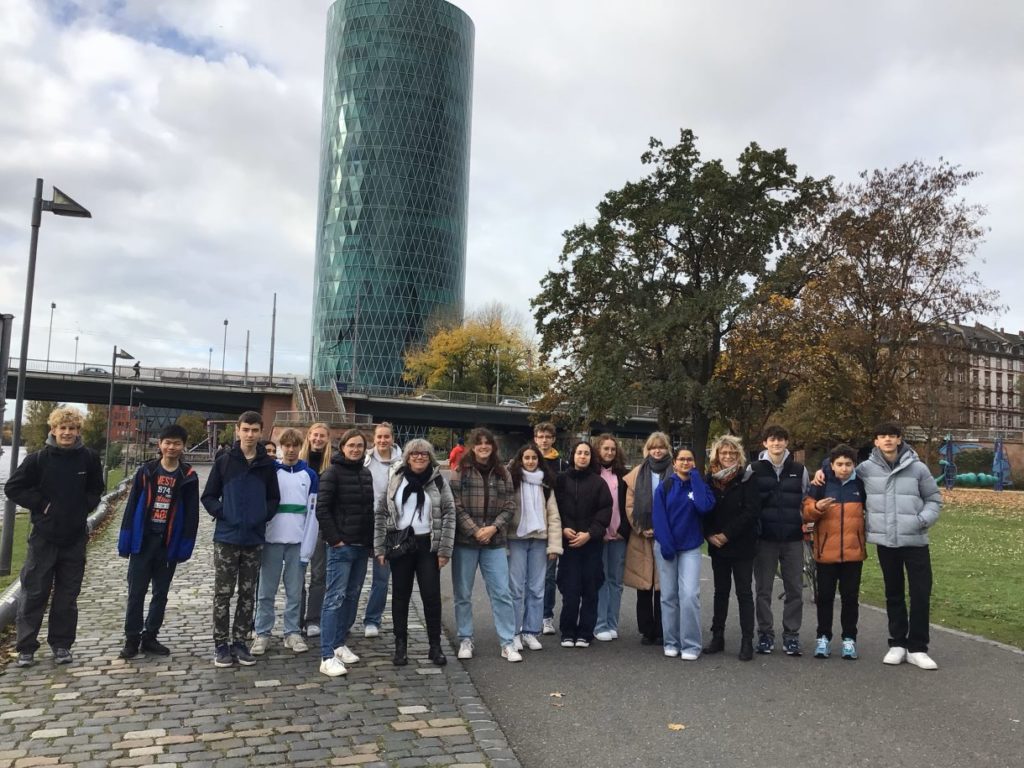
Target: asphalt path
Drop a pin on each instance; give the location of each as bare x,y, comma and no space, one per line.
616,701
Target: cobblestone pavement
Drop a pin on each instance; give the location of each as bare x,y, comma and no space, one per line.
181,710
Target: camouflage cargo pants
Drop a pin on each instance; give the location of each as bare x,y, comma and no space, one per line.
234,564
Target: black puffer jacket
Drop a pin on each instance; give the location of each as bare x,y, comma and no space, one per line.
782,498
584,502
737,507
344,504
59,487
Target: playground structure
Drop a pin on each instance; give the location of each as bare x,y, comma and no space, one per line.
999,478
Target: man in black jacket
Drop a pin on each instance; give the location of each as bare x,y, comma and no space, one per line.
59,485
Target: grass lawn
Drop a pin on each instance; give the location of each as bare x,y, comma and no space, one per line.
977,551
21,526
114,476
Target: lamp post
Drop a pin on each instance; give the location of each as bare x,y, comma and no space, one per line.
76,354
122,355
224,350
60,205
49,335
209,363
131,430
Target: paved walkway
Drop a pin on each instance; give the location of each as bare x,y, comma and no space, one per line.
102,711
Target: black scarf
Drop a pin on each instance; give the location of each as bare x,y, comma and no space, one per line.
315,460
414,484
643,495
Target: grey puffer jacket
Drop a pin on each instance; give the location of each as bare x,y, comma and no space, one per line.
442,512
902,502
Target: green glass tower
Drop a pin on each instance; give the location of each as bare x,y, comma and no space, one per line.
394,184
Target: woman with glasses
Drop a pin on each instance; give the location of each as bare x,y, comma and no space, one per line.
679,504
417,497
731,532
641,572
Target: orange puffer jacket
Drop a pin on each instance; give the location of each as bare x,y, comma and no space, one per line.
839,530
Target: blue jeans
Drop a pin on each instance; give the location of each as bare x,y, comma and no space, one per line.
680,599
493,564
378,594
346,569
278,558
527,567
609,597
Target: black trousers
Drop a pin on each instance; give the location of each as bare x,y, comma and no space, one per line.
421,565
580,575
50,568
847,576
911,634
648,613
725,572
148,567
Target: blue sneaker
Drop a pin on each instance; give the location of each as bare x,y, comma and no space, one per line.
823,648
791,645
765,643
849,648
223,657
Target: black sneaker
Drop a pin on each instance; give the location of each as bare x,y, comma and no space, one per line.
242,655
26,659
765,643
223,658
131,648
791,645
62,656
151,645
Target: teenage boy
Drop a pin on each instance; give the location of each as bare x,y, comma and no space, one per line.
384,456
59,485
903,502
544,437
294,523
242,495
158,531
837,510
271,448
781,483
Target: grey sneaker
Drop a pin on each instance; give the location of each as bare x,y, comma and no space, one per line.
62,656
548,627
223,657
26,659
242,655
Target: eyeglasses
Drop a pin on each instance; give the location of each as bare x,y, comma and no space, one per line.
419,455
686,459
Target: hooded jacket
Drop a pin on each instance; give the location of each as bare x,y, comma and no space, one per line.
59,487
839,530
782,497
584,502
679,506
381,469
903,502
298,484
182,517
344,504
242,497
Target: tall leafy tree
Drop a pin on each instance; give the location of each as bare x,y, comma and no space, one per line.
644,297
195,425
35,428
94,428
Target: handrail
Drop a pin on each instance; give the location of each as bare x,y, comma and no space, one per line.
163,374
305,418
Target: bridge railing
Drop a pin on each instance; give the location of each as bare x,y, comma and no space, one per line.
334,418
169,375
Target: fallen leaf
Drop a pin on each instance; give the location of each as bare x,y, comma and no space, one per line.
556,694
676,726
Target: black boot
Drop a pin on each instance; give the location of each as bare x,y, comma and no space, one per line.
131,649
151,645
746,649
401,652
436,655
717,644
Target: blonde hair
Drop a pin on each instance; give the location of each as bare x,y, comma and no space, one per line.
654,439
328,450
64,415
721,442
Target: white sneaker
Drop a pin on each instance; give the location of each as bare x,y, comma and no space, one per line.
580,643
295,643
259,645
549,627
510,653
896,655
688,655
614,633
921,660
672,653
312,630
517,642
465,649
568,643
371,630
604,637
332,667
531,642
346,656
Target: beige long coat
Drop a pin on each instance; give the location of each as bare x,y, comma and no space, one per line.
641,570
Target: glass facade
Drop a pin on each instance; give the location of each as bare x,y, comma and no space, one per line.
394,184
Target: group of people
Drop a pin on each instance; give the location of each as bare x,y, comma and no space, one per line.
584,526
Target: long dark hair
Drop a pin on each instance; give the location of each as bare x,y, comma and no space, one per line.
594,464
468,459
618,465
515,467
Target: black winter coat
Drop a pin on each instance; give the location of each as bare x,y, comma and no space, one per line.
782,499
344,503
584,502
59,487
736,512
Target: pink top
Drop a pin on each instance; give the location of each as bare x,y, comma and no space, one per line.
612,532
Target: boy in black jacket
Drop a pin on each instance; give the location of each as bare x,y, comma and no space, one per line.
158,531
242,495
59,485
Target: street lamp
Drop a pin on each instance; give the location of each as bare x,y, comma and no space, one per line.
60,205
224,350
131,429
76,354
49,335
209,364
122,355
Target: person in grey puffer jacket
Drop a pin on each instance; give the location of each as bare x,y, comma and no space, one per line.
903,502
380,460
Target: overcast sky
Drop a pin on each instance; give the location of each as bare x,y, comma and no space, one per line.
191,130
